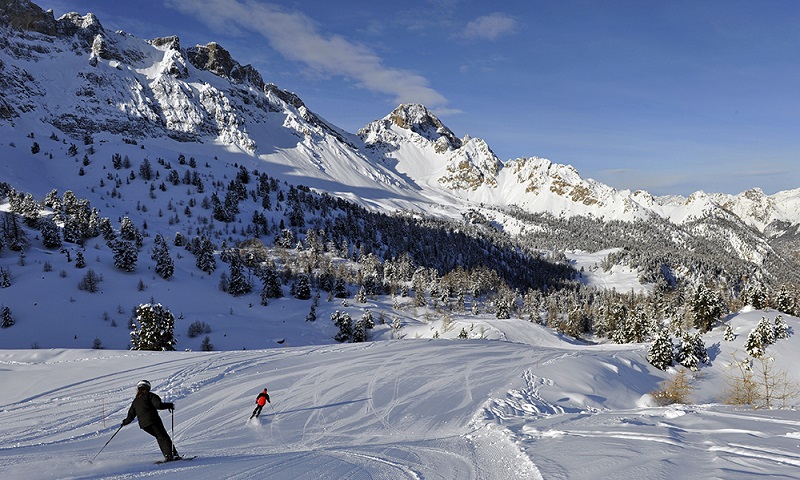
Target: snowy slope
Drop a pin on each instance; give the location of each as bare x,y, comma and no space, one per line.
472,409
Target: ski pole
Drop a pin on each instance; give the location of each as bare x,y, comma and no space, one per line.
109,441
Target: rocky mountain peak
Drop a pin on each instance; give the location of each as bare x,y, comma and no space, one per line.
27,16
215,59
171,43
418,119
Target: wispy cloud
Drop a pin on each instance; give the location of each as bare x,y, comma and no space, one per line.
298,38
490,27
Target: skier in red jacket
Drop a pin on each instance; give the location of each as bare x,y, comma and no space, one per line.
261,400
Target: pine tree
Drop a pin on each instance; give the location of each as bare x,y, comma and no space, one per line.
361,295
127,230
763,335
207,346
90,282
729,336
5,278
51,235
80,262
165,267
302,290
362,325
205,256
339,288
662,352
781,328
343,321
271,283
786,301
155,328
754,345
755,295
238,284
6,318
125,255
312,314
692,352
706,306
765,331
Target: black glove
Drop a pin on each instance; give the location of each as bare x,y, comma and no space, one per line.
170,406
125,422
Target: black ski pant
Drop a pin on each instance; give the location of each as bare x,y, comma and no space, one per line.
257,411
162,437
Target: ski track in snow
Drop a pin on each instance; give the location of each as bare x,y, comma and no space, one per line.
409,409
318,425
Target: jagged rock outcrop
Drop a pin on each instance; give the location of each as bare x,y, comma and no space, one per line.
421,121
171,42
215,59
27,16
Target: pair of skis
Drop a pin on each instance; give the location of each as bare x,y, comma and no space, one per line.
176,459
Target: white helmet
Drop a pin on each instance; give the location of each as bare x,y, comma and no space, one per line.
143,384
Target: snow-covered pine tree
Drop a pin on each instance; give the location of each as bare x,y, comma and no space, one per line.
706,306
165,267
302,290
365,323
6,319
662,352
781,328
125,255
155,329
754,345
766,331
755,294
729,336
340,288
5,278
359,331
238,284
80,262
786,301
692,352
270,282
127,230
205,256
51,233
343,321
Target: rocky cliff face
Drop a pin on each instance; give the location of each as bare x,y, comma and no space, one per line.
26,16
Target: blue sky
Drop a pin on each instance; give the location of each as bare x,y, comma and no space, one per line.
669,97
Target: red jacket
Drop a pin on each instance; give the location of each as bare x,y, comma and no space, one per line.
262,398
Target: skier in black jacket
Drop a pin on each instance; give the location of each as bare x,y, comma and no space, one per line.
146,406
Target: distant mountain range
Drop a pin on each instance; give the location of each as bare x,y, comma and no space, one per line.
72,79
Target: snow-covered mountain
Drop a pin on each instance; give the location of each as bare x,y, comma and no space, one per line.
73,76
68,82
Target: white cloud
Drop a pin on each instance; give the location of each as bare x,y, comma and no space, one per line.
490,27
296,37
